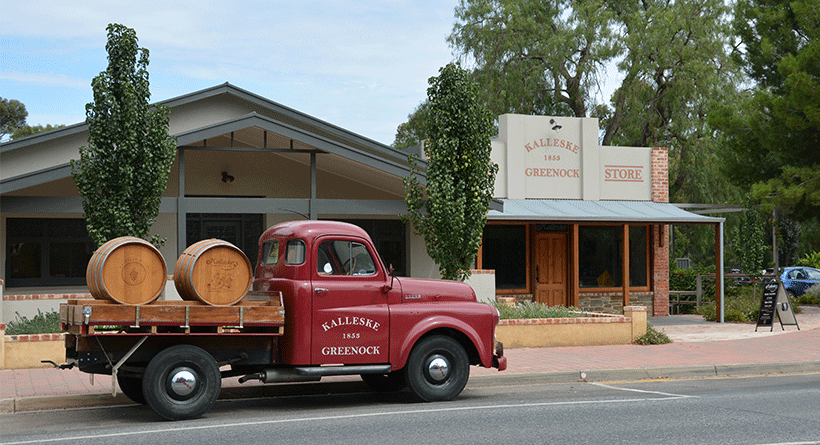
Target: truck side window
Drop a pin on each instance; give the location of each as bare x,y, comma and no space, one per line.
344,258
362,261
295,252
270,252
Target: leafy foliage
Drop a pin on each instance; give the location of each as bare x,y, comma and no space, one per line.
414,131
530,309
812,295
13,115
772,137
460,176
811,260
42,323
652,337
28,130
737,309
123,171
748,241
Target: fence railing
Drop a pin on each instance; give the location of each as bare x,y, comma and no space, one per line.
675,300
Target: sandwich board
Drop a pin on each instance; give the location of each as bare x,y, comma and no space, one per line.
775,302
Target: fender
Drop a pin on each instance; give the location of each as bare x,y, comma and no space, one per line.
399,354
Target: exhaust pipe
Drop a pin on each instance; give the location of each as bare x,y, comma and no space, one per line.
277,375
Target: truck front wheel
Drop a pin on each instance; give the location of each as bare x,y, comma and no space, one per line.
437,369
181,382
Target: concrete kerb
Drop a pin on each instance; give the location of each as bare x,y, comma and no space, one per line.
19,405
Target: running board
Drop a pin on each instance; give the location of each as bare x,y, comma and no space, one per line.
323,371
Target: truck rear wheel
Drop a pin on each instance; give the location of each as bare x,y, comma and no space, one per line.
181,382
437,369
132,388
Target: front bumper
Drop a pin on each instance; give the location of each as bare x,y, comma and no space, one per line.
499,361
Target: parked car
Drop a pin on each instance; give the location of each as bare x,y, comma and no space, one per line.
797,280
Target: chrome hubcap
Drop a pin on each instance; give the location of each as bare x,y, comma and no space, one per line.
183,382
438,369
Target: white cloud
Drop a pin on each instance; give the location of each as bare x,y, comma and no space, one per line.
364,65
45,79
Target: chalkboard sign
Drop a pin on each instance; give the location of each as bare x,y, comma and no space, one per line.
765,317
775,301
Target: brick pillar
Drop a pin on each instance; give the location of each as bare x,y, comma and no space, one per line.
660,233
660,174
660,270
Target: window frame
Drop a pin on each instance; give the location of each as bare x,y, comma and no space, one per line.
620,288
45,240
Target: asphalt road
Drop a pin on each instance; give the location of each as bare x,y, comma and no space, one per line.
753,410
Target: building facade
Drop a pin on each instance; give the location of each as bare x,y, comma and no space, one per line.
573,223
582,224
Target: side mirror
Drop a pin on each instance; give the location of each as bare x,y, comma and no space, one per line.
392,274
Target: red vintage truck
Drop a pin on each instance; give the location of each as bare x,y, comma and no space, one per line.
322,304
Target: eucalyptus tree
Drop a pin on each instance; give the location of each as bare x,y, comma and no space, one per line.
773,138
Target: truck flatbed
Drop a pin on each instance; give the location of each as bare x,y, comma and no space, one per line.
262,313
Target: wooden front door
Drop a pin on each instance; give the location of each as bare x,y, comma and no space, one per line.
551,269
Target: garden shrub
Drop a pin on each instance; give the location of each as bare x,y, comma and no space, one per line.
652,337
530,309
812,295
42,323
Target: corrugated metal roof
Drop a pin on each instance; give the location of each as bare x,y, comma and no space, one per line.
597,211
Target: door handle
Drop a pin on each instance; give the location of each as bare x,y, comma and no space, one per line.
537,274
320,289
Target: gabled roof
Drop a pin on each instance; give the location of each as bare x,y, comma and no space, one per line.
270,116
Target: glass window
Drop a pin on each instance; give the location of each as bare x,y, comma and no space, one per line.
47,252
389,237
638,257
362,262
295,253
270,252
600,256
344,258
504,249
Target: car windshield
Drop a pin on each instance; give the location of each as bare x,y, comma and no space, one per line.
813,274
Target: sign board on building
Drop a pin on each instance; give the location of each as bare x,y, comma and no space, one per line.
548,157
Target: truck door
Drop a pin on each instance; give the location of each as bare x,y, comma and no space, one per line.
350,311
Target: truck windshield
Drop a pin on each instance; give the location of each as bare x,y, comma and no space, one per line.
340,257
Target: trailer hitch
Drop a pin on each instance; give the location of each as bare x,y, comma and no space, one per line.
63,366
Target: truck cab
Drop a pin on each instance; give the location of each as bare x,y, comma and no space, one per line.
344,307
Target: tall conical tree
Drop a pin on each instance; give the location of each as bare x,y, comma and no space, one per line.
124,169
451,211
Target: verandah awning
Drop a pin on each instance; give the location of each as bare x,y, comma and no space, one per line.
596,211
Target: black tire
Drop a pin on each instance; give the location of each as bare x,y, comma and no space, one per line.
181,382
437,369
132,388
391,382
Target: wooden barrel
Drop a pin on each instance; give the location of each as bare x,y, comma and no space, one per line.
214,272
127,270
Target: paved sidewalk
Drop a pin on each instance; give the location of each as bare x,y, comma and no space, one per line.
699,349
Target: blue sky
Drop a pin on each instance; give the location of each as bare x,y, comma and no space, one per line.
360,65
